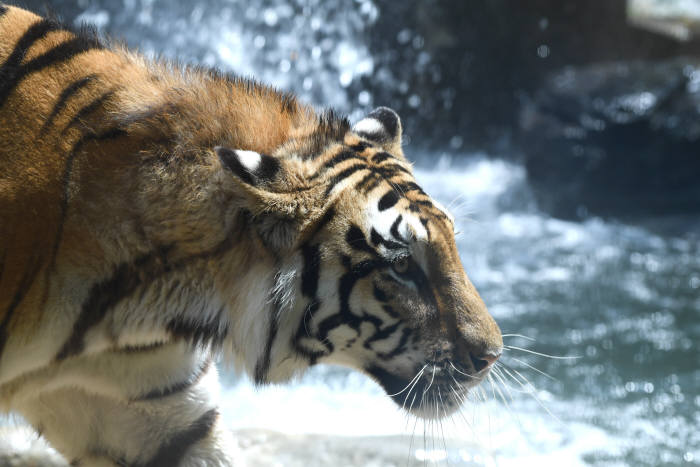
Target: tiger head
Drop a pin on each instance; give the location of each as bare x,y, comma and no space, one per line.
368,272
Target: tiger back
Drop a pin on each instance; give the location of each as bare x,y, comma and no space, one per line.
155,218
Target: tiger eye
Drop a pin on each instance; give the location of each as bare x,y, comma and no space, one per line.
401,265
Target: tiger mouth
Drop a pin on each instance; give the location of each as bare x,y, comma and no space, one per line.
436,390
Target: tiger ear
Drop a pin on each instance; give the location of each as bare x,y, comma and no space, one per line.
277,215
251,167
381,126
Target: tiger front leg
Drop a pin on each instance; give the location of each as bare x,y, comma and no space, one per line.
137,408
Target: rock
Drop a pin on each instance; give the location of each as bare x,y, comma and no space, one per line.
679,19
617,140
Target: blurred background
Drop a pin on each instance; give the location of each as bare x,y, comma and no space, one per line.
565,137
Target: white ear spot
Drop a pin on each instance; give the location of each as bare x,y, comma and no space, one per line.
249,159
369,126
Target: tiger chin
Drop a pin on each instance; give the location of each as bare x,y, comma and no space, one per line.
154,218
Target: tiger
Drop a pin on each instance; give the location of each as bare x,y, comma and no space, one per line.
157,218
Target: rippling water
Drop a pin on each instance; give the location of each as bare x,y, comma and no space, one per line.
623,300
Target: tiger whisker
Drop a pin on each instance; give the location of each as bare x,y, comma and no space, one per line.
519,335
462,373
558,357
531,393
535,369
431,381
420,372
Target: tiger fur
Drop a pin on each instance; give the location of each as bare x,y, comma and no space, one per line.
155,217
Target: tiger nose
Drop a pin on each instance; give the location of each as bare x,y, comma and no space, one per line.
484,360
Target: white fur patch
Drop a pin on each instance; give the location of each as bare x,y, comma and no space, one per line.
370,126
249,159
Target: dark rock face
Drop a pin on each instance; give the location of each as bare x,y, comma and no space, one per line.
618,139
456,70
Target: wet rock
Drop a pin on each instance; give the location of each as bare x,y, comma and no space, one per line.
617,139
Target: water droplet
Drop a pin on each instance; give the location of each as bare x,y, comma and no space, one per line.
456,142
259,41
345,79
404,36
270,17
363,98
418,42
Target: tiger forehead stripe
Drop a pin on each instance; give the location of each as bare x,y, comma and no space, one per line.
386,171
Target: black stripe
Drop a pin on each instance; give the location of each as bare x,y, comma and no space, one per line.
400,347
303,331
343,175
262,367
346,283
62,100
361,146
65,182
379,294
310,276
362,184
311,271
375,182
337,159
393,168
124,281
173,451
177,387
408,187
388,200
355,237
395,229
34,265
105,294
381,334
3,10
380,157
424,221
88,109
12,71
378,239
61,53
198,332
